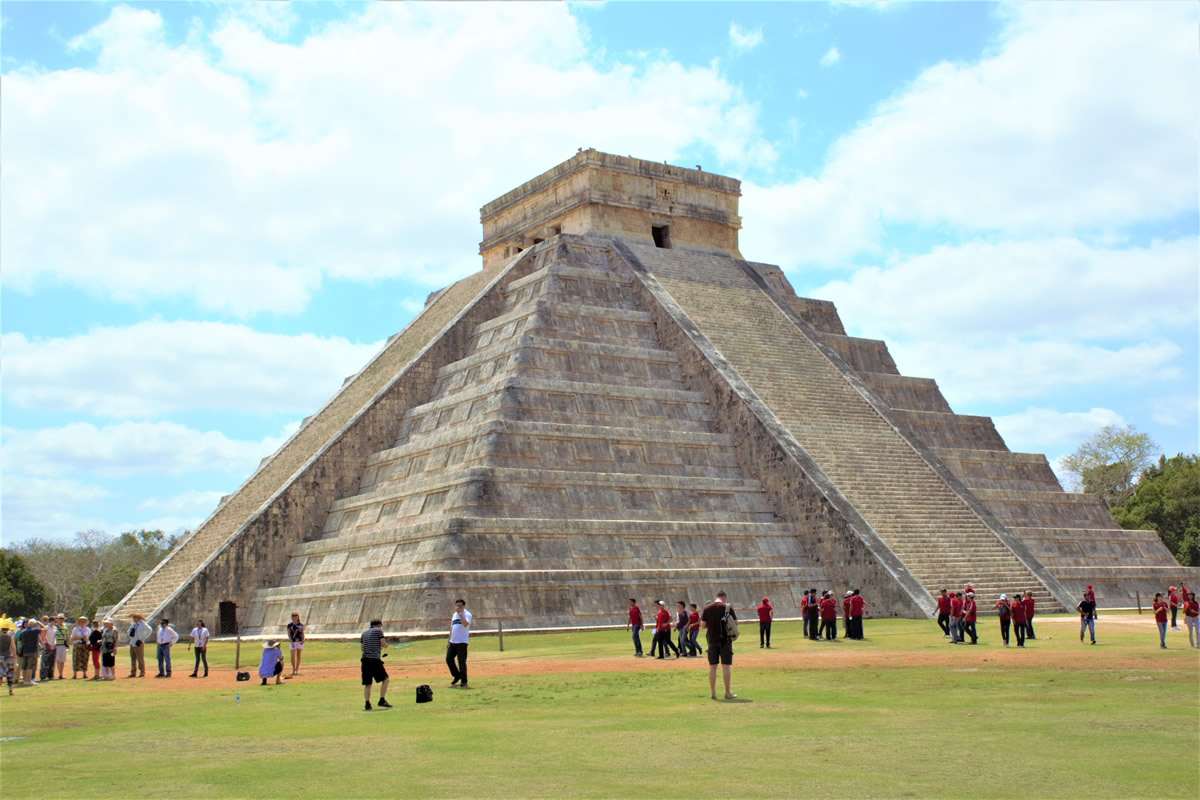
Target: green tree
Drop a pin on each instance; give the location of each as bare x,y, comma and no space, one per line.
20,593
1108,461
1167,500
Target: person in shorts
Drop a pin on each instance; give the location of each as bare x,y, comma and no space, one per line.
720,647
31,637
8,655
295,630
108,650
373,644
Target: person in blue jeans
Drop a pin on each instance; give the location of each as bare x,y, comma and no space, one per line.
1087,617
166,637
635,622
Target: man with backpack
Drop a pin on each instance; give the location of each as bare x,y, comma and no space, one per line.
720,627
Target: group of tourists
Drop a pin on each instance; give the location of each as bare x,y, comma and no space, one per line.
820,615
1174,600
51,641
717,619
685,622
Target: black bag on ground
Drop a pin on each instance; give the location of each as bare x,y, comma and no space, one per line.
424,694
243,676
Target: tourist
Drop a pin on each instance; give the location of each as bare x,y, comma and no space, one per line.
720,646
108,650
846,613
1173,601
814,612
1018,619
295,630
373,643
1091,595
139,633
694,631
1191,610
165,636
62,633
1087,615
969,610
804,615
46,646
943,618
78,640
198,641
829,616
765,615
662,631
8,653
271,664
857,605
456,649
956,617
1160,618
30,640
1004,611
635,623
1029,604
681,624
94,638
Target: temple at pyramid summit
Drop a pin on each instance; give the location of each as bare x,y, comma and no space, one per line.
617,405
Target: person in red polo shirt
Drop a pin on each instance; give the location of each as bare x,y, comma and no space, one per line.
969,617
635,622
829,616
943,610
1191,610
1029,604
814,612
1160,618
1004,611
1018,619
765,614
846,613
1173,601
857,605
662,631
956,619
694,632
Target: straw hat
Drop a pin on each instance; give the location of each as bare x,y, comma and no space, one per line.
270,644
136,616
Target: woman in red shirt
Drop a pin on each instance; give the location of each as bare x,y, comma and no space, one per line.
969,617
1160,618
829,616
1191,610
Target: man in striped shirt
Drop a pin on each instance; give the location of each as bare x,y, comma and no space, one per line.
372,664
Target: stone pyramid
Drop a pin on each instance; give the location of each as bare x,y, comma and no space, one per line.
618,405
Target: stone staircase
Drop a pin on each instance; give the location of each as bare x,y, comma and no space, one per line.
926,523
562,443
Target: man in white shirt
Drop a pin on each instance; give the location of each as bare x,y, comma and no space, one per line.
139,633
456,651
166,637
199,641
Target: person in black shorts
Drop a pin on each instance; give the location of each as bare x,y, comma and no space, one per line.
373,644
720,647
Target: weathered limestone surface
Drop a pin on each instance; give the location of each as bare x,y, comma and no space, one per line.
619,406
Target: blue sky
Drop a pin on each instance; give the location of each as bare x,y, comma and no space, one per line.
213,213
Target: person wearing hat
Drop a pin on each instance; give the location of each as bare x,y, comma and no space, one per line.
765,615
108,651
662,631
31,639
61,633
139,633
165,636
1004,611
847,633
969,611
46,647
272,662
956,617
1018,619
78,640
8,652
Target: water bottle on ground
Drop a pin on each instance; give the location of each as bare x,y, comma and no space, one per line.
237,699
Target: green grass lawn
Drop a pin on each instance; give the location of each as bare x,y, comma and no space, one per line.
902,714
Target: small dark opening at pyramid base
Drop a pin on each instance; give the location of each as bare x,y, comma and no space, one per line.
662,236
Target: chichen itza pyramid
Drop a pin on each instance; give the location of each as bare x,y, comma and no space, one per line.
618,405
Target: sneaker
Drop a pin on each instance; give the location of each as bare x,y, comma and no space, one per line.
462,686
384,703
729,696
192,675
367,706
33,683
455,681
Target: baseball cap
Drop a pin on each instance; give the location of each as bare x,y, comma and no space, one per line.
1003,597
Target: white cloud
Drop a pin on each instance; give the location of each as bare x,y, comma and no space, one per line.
156,367
1175,410
1045,426
239,179
744,41
190,503
809,221
43,507
130,448
974,373
1046,287
831,57
1081,119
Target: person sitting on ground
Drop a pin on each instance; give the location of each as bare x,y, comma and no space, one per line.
272,662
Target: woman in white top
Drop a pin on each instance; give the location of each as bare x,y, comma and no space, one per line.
78,641
199,642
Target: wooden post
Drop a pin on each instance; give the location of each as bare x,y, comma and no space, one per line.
237,657
1139,600
500,628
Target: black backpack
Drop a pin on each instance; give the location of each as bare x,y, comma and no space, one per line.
424,694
